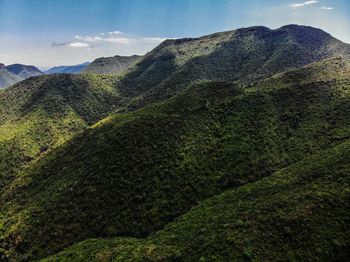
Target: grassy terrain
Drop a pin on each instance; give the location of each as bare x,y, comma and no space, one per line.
129,175
40,113
275,219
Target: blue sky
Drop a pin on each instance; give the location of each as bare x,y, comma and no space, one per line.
54,32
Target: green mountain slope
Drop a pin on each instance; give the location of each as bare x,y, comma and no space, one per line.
111,65
245,54
40,113
300,213
131,174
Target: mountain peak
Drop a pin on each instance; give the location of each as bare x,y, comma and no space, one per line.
2,66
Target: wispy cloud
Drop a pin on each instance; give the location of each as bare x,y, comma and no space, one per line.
79,44
298,5
327,8
112,37
74,44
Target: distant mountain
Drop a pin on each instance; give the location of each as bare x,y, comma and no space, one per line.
7,78
111,65
12,74
24,71
73,69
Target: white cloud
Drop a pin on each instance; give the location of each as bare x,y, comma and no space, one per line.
297,5
115,33
118,37
327,8
78,44
310,2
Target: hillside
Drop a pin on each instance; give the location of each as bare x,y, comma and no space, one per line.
299,213
39,113
73,69
111,65
130,175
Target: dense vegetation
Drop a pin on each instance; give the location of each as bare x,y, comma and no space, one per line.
300,213
131,174
200,151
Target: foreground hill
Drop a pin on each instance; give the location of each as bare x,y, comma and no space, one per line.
73,69
129,175
111,65
39,113
300,213
12,74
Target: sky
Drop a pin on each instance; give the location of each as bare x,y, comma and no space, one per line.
48,33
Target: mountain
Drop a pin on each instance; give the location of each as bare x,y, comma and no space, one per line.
111,65
238,151
23,71
246,54
12,74
74,69
7,78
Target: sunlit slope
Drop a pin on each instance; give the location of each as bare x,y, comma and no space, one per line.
39,113
132,174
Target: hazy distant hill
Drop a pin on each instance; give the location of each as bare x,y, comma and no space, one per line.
7,78
24,71
12,74
74,69
111,65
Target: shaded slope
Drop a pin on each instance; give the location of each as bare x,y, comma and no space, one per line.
141,170
41,112
111,65
298,213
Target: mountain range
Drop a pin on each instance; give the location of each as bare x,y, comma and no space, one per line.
228,147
